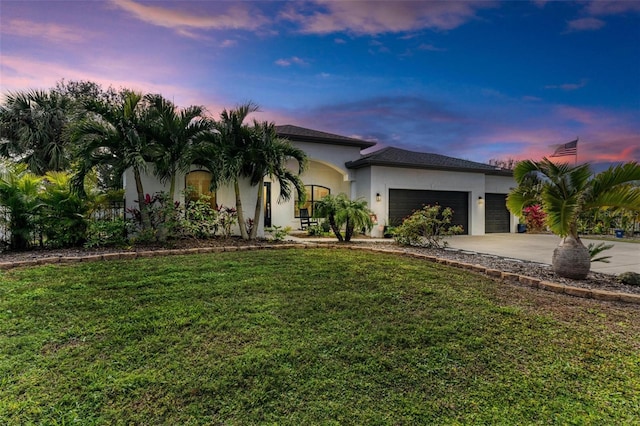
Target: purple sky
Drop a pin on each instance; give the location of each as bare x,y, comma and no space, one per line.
474,80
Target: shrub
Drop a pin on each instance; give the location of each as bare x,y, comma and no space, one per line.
317,230
107,233
629,278
278,233
534,218
427,227
201,219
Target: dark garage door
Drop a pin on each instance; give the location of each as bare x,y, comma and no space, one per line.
496,215
402,202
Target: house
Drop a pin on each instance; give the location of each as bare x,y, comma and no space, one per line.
393,181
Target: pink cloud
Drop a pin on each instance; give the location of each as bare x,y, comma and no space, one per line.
46,31
377,17
236,17
431,48
585,24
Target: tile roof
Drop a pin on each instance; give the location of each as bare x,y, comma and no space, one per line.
396,157
295,133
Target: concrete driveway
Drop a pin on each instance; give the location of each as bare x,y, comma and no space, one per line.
539,248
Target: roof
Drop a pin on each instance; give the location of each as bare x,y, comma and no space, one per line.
300,134
396,157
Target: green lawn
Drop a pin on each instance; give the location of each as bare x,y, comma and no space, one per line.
306,337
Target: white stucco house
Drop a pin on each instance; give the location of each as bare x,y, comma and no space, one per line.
393,181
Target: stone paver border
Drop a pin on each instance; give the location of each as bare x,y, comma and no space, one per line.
493,274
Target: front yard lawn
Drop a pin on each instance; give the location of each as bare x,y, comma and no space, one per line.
306,337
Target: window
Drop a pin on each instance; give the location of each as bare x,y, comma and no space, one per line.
314,193
200,182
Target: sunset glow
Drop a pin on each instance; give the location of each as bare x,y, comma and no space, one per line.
475,80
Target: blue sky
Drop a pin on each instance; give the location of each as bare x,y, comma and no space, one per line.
475,80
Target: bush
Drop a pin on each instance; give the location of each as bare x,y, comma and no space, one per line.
629,278
201,219
534,218
278,233
426,227
107,233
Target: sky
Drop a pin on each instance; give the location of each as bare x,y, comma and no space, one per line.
474,80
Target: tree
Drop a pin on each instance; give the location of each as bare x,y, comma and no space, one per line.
327,208
117,134
268,156
174,132
340,211
567,191
32,130
224,153
19,190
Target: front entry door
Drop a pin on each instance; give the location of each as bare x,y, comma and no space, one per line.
266,199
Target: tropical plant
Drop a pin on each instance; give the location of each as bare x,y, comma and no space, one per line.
224,153
340,211
534,218
118,135
267,156
427,227
63,213
32,130
327,208
19,191
596,249
174,131
566,191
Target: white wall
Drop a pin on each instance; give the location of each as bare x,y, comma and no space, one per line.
377,179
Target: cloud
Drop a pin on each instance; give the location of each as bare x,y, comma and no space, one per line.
235,17
568,87
605,7
228,43
431,48
378,17
294,60
585,24
46,31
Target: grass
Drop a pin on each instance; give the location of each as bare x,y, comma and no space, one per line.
306,337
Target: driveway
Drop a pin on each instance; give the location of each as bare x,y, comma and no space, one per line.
539,248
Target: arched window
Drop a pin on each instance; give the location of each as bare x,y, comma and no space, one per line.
198,183
314,193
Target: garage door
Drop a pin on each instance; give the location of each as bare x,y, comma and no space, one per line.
496,215
402,202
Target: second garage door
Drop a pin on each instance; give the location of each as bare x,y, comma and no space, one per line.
496,216
402,202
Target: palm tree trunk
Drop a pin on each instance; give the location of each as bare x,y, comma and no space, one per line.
334,227
144,211
571,259
241,224
172,186
258,210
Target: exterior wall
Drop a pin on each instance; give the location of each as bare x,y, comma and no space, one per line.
317,173
376,179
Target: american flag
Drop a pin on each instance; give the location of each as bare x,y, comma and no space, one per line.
569,148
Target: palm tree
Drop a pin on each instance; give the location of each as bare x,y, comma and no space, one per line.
32,129
19,191
224,153
175,132
327,208
354,214
268,156
566,191
340,211
119,135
